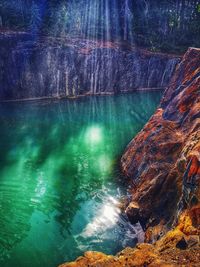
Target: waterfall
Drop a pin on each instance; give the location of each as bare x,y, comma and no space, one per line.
169,70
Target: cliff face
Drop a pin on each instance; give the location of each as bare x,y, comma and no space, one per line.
163,160
62,67
163,164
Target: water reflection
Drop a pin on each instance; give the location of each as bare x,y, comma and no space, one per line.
107,226
93,135
107,216
59,177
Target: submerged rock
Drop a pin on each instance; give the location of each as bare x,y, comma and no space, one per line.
60,67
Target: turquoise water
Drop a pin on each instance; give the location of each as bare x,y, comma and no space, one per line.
59,178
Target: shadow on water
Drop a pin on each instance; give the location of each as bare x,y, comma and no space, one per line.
59,176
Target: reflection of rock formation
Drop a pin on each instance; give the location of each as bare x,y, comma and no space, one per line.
61,67
17,188
163,161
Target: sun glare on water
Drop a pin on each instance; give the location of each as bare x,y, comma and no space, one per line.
94,135
108,216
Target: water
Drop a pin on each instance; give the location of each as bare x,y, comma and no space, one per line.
59,177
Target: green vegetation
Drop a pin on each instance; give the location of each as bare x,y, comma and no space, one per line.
165,25
168,25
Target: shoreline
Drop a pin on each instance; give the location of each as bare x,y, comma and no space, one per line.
55,98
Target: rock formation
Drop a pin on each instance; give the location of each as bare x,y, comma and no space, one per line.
60,67
179,247
163,164
163,160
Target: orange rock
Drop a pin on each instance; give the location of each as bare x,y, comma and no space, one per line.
156,158
195,165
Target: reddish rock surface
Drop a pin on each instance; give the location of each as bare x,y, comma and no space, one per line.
163,164
179,247
163,161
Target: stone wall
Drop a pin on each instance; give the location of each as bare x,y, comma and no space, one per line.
61,67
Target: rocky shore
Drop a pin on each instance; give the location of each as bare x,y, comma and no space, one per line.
163,166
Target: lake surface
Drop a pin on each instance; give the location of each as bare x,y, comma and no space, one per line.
59,177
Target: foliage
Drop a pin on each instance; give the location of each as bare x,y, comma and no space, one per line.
166,25
35,18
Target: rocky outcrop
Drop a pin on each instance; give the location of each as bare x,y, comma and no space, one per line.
163,161
177,248
163,166
60,67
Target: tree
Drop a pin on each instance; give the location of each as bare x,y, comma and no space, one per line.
36,18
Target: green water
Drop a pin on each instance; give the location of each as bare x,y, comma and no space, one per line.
59,177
